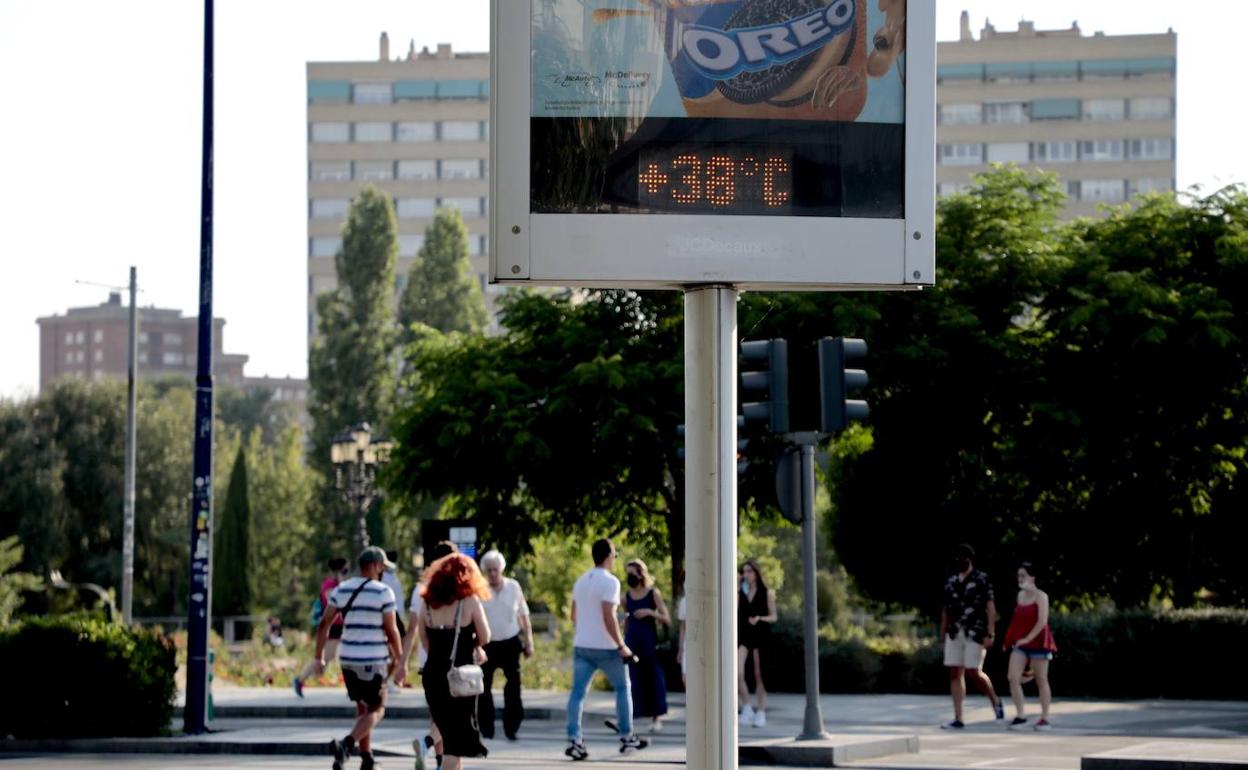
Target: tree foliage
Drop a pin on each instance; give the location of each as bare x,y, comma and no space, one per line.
12,582
351,364
442,291
233,568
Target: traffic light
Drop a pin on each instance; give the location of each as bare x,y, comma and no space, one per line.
769,384
836,409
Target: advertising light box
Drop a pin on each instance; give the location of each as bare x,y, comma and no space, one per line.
765,144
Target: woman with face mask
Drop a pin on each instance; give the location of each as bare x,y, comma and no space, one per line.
756,611
645,610
1030,641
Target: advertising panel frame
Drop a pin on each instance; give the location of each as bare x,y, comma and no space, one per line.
673,250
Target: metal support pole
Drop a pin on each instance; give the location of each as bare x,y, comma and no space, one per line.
199,604
711,525
127,516
812,723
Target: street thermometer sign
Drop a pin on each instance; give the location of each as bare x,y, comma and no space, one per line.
761,144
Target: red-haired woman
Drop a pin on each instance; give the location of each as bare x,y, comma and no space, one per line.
454,588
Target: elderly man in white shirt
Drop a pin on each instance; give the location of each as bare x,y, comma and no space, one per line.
508,615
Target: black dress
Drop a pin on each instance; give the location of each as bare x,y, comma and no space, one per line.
756,636
456,718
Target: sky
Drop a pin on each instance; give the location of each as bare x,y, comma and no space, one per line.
100,145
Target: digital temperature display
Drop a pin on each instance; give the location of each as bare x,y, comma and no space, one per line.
696,179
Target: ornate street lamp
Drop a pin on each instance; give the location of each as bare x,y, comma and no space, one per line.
357,455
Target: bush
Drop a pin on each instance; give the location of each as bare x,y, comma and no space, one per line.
81,677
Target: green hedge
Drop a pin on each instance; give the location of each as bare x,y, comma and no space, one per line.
1136,654
75,677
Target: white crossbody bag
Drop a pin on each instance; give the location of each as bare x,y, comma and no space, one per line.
465,681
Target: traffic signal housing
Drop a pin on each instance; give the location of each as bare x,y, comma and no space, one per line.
836,382
765,383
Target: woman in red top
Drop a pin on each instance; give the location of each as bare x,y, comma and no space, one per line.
1029,640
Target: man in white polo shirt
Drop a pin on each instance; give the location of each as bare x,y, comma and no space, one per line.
599,646
369,652
510,636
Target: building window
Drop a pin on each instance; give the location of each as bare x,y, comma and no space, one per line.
97,375
98,336
952,188
328,91
1104,109
409,245
1151,149
1151,108
371,93
961,154
1101,149
1055,152
331,132
1152,184
461,169
1048,71
325,246
143,356
173,340
143,338
1005,112
97,355
331,171
69,338
418,169
374,170
413,90
416,208
418,131
961,114
469,207
172,358
959,72
1055,109
1008,72
80,337
462,89
69,356
1103,190
80,356
1009,152
461,130
330,208
373,132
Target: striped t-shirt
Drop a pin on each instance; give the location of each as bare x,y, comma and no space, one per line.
363,638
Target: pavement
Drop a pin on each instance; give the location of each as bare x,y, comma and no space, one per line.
1087,735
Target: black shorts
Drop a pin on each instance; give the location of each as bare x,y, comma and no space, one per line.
335,631
369,691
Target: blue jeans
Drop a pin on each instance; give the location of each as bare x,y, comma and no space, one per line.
585,662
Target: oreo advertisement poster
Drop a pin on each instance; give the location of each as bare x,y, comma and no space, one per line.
802,60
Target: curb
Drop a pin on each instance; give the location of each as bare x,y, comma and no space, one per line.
827,753
336,712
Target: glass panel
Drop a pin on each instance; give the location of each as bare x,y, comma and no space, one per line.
961,114
374,170
960,72
1151,108
1104,109
469,207
461,169
459,89
1101,149
418,131
372,93
1103,68
461,130
1152,149
326,246
331,132
1009,152
960,154
322,91
416,208
1156,66
1055,109
373,132
1005,112
1056,152
331,170
418,169
1008,72
1055,70
1153,184
415,89
330,208
1103,190
409,245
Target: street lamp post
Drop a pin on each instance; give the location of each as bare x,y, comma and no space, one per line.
357,455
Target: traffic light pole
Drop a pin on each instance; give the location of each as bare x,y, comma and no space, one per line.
711,525
812,723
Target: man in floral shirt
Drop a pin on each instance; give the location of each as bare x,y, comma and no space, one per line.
967,622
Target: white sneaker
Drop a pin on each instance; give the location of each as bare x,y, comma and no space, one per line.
656,726
760,718
747,715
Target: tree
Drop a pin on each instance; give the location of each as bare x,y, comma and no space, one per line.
350,367
233,568
442,292
12,583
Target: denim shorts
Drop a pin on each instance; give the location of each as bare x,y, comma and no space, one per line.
1035,653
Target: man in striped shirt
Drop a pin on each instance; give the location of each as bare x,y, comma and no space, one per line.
369,652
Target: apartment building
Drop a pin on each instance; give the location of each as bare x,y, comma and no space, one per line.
1099,110
93,343
417,127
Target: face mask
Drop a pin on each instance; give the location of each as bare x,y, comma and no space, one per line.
745,586
633,580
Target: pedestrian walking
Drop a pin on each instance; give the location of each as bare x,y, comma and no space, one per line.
370,652
338,572
453,629
1029,641
429,749
599,646
511,637
967,622
756,612
391,578
682,615
644,611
